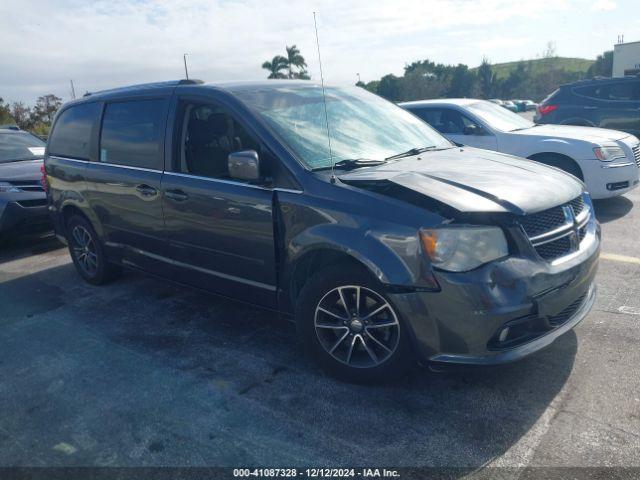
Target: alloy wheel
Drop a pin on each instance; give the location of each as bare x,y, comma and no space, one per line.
84,249
357,326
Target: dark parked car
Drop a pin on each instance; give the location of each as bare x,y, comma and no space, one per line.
408,247
23,203
612,103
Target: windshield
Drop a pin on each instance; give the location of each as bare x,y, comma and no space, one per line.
499,117
362,125
16,146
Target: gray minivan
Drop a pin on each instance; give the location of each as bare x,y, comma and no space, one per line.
388,244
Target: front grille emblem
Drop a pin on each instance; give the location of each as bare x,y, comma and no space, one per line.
574,236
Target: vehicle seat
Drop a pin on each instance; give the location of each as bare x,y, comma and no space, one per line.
228,140
450,123
204,155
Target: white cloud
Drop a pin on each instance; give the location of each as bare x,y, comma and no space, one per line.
604,5
114,42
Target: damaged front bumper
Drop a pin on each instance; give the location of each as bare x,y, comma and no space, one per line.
502,311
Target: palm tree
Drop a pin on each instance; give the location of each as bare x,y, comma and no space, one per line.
294,59
275,66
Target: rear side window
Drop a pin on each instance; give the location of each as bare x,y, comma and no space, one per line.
71,136
132,133
609,91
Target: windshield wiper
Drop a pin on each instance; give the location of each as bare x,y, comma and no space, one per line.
413,151
525,128
351,163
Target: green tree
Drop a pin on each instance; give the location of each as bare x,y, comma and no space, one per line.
5,114
275,67
45,109
295,59
515,83
462,82
603,66
486,79
389,87
23,115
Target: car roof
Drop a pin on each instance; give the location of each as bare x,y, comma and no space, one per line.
597,80
442,101
169,86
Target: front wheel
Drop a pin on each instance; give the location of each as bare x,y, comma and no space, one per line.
351,328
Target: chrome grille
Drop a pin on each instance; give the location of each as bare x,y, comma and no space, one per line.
27,185
542,222
636,154
554,249
578,205
558,231
32,203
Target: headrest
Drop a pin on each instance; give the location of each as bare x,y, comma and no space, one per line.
200,132
218,124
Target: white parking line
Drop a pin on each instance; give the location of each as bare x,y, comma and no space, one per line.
629,310
620,258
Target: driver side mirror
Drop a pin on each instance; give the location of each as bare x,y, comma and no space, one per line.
244,165
473,130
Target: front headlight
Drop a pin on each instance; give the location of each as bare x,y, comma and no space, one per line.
608,154
7,187
463,248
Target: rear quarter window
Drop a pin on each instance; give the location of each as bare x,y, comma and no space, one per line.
71,136
132,133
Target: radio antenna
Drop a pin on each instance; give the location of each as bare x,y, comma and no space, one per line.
324,101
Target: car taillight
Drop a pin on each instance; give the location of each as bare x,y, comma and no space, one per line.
545,109
43,178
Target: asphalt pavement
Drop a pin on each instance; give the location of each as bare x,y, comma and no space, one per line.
141,373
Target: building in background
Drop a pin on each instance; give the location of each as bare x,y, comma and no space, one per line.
626,59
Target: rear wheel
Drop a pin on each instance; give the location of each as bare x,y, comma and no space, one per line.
88,253
349,326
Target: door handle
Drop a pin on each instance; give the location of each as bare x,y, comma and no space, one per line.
177,195
146,190
589,107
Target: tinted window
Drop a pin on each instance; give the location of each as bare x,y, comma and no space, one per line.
431,116
609,91
445,120
71,135
209,135
132,133
16,146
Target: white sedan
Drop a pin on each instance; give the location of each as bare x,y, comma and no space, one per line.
608,161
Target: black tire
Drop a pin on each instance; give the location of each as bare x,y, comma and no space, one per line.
88,254
352,360
565,164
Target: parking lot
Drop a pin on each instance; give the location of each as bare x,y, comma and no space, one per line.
140,373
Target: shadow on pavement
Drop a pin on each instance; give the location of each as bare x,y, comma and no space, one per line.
27,245
143,373
611,209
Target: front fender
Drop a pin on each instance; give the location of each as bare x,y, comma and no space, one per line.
392,259
395,259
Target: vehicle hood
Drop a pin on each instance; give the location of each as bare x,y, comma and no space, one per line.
24,170
569,132
474,180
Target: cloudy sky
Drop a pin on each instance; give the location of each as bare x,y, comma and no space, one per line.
101,44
